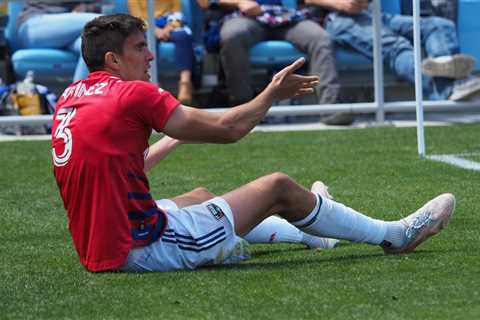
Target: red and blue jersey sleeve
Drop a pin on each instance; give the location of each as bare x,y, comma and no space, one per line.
151,104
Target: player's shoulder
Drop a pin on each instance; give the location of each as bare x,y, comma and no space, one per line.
138,88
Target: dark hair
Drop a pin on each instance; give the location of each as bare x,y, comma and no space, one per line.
107,33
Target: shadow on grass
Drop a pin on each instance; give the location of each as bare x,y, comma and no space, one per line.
277,265
317,260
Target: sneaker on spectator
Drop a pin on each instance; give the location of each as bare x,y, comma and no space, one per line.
465,88
339,119
458,66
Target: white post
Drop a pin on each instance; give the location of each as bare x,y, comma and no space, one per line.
151,40
378,61
418,78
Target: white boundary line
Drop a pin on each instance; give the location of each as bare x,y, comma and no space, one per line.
457,161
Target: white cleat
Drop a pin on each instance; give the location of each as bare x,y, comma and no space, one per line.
320,188
425,222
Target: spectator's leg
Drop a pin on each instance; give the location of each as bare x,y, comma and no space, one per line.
184,55
356,32
309,37
184,58
438,37
237,36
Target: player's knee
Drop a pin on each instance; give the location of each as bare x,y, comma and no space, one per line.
281,181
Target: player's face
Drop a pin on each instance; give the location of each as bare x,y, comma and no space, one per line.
135,60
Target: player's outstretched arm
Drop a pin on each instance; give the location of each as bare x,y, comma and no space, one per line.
198,125
159,150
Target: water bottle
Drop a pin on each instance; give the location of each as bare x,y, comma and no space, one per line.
26,87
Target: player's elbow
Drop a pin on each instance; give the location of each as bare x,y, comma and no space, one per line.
232,134
231,131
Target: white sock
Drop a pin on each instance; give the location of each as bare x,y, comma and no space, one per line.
273,230
314,242
395,236
335,220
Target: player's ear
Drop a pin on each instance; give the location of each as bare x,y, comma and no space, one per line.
111,60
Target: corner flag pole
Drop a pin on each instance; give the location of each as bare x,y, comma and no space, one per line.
378,61
151,40
418,78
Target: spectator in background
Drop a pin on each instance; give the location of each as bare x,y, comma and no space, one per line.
170,26
446,71
57,24
441,8
248,22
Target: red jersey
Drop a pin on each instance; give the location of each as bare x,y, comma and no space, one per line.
100,132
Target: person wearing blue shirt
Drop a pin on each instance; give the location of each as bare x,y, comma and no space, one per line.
446,72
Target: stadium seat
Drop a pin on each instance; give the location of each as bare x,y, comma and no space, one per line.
56,64
469,28
46,63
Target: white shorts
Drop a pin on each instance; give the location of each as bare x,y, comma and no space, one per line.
195,236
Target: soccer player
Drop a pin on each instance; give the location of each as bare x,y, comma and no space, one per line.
101,129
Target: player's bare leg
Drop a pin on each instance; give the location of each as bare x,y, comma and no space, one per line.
270,230
196,196
272,194
278,193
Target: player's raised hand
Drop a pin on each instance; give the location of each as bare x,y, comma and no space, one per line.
286,84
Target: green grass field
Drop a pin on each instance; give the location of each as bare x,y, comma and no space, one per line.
376,171
474,157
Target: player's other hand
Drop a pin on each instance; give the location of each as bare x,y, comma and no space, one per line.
286,84
351,6
249,8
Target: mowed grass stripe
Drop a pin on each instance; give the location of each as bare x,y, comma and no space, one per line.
376,171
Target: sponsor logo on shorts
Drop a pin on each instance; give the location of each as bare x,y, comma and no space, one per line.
215,211
273,236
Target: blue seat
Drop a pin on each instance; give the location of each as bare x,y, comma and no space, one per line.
468,28
56,64
46,63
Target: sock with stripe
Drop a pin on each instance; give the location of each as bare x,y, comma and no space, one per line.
335,220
